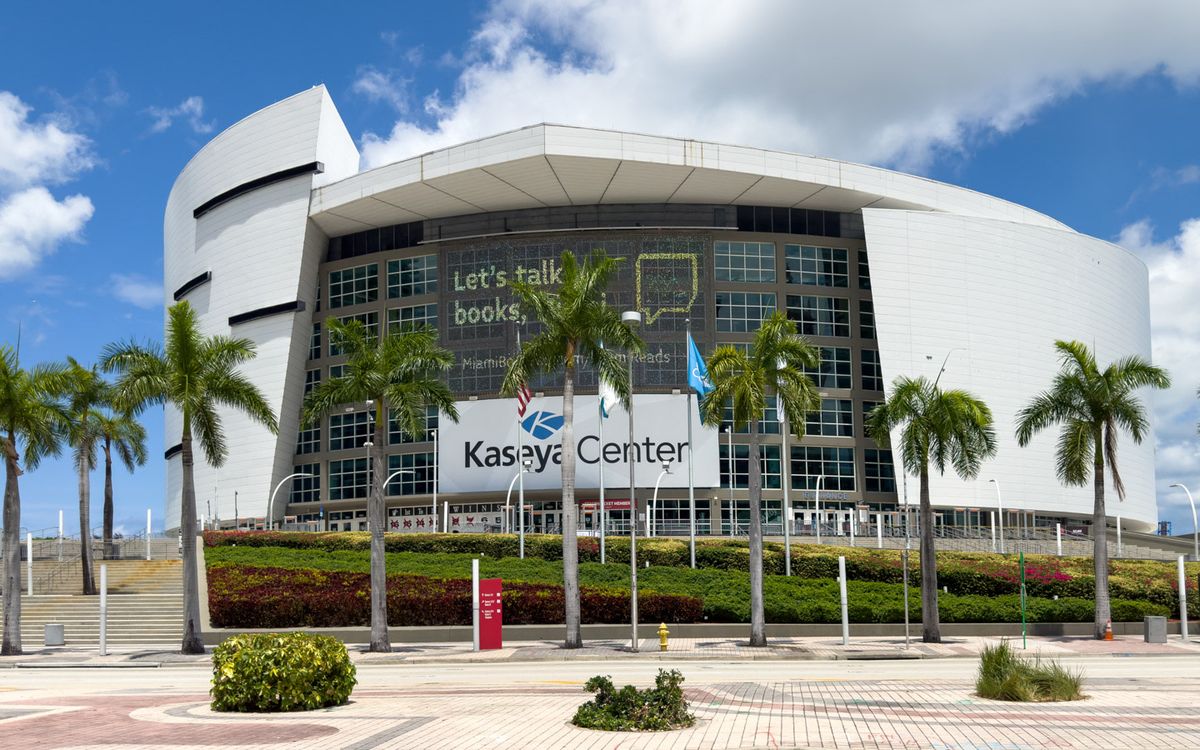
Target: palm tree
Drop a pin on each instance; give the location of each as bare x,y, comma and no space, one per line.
120,432
88,391
30,414
400,372
946,428
775,362
575,325
1092,406
195,374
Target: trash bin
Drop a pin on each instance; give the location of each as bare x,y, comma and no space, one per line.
1155,629
55,635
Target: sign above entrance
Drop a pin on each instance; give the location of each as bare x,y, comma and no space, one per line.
479,453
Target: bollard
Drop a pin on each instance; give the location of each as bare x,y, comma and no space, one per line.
1183,623
1058,537
845,608
147,533
879,530
445,518
1120,547
993,517
662,636
104,610
853,523
29,561
475,604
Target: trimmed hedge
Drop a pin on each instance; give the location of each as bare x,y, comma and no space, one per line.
272,672
257,597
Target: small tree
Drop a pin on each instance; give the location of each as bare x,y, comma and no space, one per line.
1092,406
33,424
195,374
87,393
775,362
120,432
942,428
400,374
575,324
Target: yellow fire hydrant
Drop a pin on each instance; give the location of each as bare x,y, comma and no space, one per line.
662,636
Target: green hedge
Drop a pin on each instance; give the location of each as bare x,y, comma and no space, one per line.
271,672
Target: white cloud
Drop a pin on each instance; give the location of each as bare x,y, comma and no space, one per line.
380,86
1175,332
190,109
137,290
33,153
33,224
892,83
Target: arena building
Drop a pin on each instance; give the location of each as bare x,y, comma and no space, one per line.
272,229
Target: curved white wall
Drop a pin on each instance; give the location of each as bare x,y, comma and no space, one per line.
261,250
995,295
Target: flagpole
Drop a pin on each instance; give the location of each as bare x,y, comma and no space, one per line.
600,437
691,453
520,473
787,480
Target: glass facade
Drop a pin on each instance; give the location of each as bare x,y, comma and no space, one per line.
354,286
745,261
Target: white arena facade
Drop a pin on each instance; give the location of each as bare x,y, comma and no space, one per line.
271,229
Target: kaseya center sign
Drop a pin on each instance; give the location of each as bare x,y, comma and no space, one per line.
481,452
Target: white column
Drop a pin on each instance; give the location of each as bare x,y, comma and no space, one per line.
29,562
1058,537
475,604
1120,547
879,530
148,527
60,535
445,517
853,523
1183,622
992,514
845,608
103,610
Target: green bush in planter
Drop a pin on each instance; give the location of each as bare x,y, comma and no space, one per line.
272,672
660,708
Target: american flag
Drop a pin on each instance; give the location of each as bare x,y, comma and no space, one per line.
523,398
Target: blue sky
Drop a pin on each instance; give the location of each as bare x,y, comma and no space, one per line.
1088,115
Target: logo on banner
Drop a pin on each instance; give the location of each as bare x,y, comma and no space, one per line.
542,424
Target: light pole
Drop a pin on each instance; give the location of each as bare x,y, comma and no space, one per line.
1195,529
436,466
654,501
732,512
385,484
271,502
817,495
633,319
999,513
508,498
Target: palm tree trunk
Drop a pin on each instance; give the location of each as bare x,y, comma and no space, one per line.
12,550
187,529
1100,550
108,497
377,520
85,523
570,540
758,626
930,622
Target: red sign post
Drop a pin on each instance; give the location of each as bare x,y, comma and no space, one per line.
491,616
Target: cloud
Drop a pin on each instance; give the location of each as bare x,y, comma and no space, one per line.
33,153
33,224
380,86
1174,265
137,290
887,83
190,109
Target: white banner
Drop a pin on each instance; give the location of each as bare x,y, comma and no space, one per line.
479,453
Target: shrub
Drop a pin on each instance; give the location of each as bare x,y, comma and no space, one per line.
280,672
1004,675
660,708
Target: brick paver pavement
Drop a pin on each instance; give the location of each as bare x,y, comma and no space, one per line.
851,714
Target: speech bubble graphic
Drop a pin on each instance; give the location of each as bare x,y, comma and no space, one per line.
666,283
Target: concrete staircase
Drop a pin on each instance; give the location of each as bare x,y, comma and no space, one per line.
145,605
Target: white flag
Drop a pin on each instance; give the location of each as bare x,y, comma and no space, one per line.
608,398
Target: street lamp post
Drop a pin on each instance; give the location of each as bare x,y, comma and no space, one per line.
271,502
817,495
999,513
732,511
1195,528
633,319
386,482
436,467
654,501
508,498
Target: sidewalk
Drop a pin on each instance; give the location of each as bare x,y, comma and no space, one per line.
686,649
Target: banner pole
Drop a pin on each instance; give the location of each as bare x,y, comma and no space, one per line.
520,474
600,464
691,453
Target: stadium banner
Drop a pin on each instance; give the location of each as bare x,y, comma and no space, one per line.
479,453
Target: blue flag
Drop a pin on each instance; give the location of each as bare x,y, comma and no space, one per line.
697,370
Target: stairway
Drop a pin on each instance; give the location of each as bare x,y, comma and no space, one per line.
145,606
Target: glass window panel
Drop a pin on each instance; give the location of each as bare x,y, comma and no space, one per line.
354,286
743,312
745,261
409,277
819,316
817,266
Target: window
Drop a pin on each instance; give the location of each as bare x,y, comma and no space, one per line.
835,464
768,425
309,441
397,436
336,371
771,468
409,277
418,476
347,431
370,321
872,374
834,370
819,316
866,319
864,271
867,406
879,474
745,261
348,479
306,489
354,286
835,419
743,312
311,379
412,317
314,342
817,266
